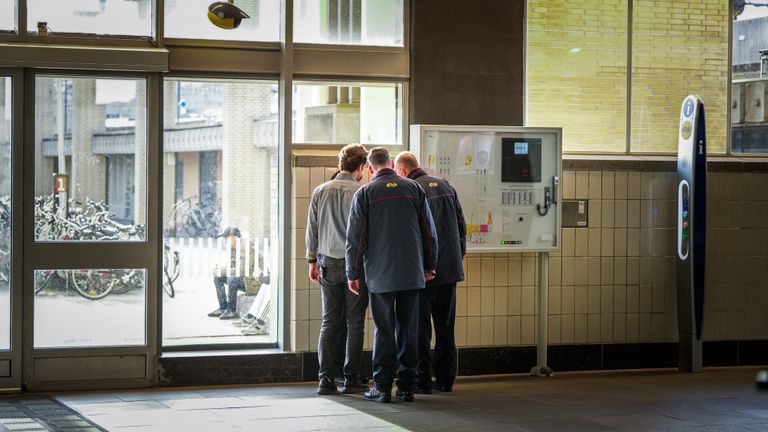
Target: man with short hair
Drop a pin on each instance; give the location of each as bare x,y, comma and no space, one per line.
392,240
343,312
437,302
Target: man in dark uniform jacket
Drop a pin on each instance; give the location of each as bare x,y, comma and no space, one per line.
438,299
392,240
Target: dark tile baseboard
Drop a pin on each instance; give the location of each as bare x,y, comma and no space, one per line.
250,368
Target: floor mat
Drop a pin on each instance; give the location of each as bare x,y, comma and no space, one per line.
41,414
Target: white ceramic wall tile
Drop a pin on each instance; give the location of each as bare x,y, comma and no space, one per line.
515,271
554,329
581,271
607,242
606,299
620,299
486,301
567,329
567,276
593,299
301,182
300,305
301,207
461,301
473,331
608,185
475,274
594,242
500,300
473,301
460,330
593,328
582,242
595,271
580,328
633,213
555,271
619,328
514,335
608,213
633,185
527,330
567,300
646,299
581,299
569,242
569,185
595,184
555,299
529,271
316,177
515,300
301,336
606,328
487,272
606,271
620,185
500,328
486,330
501,271
620,271
582,184
644,327
528,300
632,328
621,213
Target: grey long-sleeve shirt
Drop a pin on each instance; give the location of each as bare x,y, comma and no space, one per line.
327,217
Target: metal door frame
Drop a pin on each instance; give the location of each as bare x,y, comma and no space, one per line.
12,383
146,254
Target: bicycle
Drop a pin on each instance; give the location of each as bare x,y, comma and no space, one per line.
171,269
90,284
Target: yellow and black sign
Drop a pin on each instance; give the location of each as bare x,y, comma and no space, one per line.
392,185
686,129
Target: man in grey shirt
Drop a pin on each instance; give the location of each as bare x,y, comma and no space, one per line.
343,312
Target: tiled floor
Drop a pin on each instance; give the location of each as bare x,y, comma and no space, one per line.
658,400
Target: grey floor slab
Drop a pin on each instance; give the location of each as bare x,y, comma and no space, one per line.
720,399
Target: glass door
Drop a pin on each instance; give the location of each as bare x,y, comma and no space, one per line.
90,259
10,288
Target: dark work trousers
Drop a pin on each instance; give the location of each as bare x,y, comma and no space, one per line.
395,313
438,304
234,284
343,314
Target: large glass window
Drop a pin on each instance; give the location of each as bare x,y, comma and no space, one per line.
220,212
90,178
5,213
89,308
349,22
188,19
343,113
749,116
7,15
101,17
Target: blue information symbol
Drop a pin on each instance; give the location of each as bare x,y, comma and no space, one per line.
688,108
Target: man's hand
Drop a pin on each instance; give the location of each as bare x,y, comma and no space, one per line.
314,273
354,286
429,275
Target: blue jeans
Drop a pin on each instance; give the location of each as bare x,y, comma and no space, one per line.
228,301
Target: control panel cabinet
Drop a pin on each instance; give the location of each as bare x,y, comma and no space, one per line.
507,180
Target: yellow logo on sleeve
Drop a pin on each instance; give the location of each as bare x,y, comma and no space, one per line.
392,185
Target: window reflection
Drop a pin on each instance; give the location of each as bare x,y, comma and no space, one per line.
5,213
101,17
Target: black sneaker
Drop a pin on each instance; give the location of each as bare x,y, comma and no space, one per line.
228,315
353,386
405,396
217,313
339,380
375,395
326,387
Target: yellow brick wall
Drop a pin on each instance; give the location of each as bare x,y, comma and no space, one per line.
678,49
577,58
577,71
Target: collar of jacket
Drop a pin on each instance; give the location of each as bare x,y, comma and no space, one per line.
384,172
418,172
343,175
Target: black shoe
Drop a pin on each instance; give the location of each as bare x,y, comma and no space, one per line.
326,387
378,396
443,387
352,386
339,381
423,389
217,313
405,396
228,315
